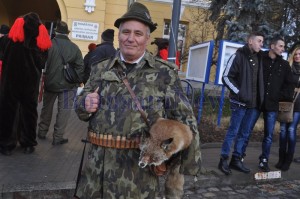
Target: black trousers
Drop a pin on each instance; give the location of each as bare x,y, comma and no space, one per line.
18,117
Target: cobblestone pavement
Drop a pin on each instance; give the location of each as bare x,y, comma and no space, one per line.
272,189
210,185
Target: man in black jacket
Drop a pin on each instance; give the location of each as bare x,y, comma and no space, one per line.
243,77
277,73
86,60
104,50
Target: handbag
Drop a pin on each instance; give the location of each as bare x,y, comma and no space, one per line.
285,112
286,109
70,74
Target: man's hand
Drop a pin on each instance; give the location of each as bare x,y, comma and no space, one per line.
91,101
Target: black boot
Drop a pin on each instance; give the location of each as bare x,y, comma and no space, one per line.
263,164
243,157
297,160
281,159
287,162
238,165
223,166
5,151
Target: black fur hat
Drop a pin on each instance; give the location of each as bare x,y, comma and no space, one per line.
108,35
139,12
31,25
30,30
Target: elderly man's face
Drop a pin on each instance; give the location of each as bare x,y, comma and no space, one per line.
133,39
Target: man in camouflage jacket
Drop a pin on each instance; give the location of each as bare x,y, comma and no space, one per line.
108,106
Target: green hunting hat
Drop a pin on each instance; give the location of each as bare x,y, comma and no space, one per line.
139,12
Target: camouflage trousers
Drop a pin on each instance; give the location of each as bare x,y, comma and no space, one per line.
114,173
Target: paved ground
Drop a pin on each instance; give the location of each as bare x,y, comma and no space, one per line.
213,184
50,172
49,167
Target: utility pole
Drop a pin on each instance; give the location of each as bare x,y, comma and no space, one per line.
129,3
174,31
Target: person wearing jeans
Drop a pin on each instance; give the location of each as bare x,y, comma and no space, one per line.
246,128
288,131
287,142
244,78
269,125
277,74
246,118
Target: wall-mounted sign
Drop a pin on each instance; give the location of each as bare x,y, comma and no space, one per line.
85,30
199,62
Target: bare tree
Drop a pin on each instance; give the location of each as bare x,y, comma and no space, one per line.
201,30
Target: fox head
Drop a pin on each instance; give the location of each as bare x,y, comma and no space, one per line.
154,153
167,137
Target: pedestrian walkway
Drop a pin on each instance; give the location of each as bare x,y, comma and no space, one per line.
49,167
50,172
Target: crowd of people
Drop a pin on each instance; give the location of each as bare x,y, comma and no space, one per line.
101,71
257,80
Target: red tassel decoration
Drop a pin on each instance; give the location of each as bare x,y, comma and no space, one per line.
16,32
43,39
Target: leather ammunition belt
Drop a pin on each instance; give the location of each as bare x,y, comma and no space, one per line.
118,142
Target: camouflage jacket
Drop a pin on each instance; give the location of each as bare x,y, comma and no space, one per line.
158,88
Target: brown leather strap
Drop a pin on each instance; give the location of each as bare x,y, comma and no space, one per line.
136,101
296,91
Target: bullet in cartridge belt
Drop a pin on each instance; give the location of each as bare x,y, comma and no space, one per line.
118,142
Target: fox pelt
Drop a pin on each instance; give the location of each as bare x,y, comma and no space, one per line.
167,138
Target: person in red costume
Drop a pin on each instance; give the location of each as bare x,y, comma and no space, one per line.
25,54
163,48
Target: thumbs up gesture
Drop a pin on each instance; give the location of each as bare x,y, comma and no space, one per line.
92,101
